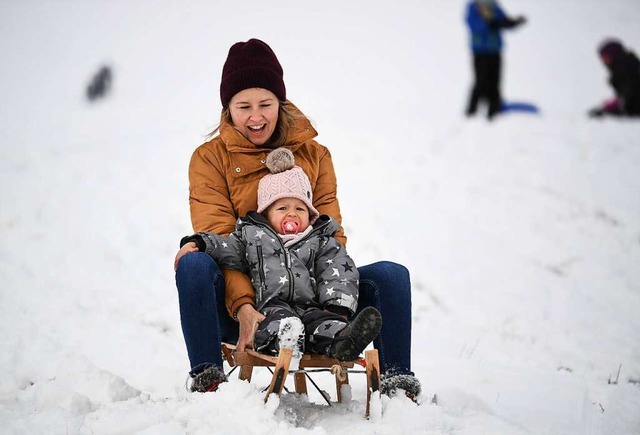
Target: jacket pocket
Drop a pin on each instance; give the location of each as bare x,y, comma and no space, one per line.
311,260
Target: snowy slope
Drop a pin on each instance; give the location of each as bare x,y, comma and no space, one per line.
522,236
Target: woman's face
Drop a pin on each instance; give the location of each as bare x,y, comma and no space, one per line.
254,112
288,216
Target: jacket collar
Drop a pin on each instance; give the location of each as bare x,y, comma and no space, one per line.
325,225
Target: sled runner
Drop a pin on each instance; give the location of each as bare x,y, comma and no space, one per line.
309,363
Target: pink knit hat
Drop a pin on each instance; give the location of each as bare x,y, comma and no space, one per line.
285,181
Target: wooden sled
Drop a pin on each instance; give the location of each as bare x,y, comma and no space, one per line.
309,363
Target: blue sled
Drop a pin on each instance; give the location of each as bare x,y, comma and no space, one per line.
519,107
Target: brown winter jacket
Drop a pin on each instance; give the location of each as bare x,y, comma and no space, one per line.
223,186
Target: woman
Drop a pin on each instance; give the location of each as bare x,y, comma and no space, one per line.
219,305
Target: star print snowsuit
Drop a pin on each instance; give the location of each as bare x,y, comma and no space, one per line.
314,279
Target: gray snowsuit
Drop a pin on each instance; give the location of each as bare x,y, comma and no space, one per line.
314,279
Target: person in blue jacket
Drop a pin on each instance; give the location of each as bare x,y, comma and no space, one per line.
486,20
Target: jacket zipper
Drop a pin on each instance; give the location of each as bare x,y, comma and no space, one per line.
261,273
289,271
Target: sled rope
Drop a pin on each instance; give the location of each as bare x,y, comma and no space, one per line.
339,372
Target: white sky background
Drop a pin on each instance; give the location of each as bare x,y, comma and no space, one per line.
522,236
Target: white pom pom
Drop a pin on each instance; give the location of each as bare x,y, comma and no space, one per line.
280,160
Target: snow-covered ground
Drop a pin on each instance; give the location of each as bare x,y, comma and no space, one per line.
522,235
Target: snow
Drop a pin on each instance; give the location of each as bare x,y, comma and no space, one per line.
290,332
522,235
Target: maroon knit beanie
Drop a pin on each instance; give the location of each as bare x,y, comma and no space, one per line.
251,64
611,48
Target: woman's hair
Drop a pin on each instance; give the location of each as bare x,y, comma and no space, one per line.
286,119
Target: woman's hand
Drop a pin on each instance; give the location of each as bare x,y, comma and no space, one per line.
249,318
187,248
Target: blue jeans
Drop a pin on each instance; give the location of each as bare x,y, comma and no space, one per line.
206,323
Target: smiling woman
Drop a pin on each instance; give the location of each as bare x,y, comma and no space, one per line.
254,113
224,174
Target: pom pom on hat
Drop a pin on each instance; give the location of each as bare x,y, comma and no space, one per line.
280,160
285,181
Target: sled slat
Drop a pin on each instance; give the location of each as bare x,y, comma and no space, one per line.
300,381
280,373
373,376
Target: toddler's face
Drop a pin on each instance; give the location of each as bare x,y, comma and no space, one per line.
288,216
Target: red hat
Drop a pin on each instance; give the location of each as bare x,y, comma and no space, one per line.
251,64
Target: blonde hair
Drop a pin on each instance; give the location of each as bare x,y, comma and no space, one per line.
286,120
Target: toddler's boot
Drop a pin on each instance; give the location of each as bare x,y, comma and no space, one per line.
356,336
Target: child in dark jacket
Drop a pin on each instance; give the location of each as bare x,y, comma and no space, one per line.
624,78
305,282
